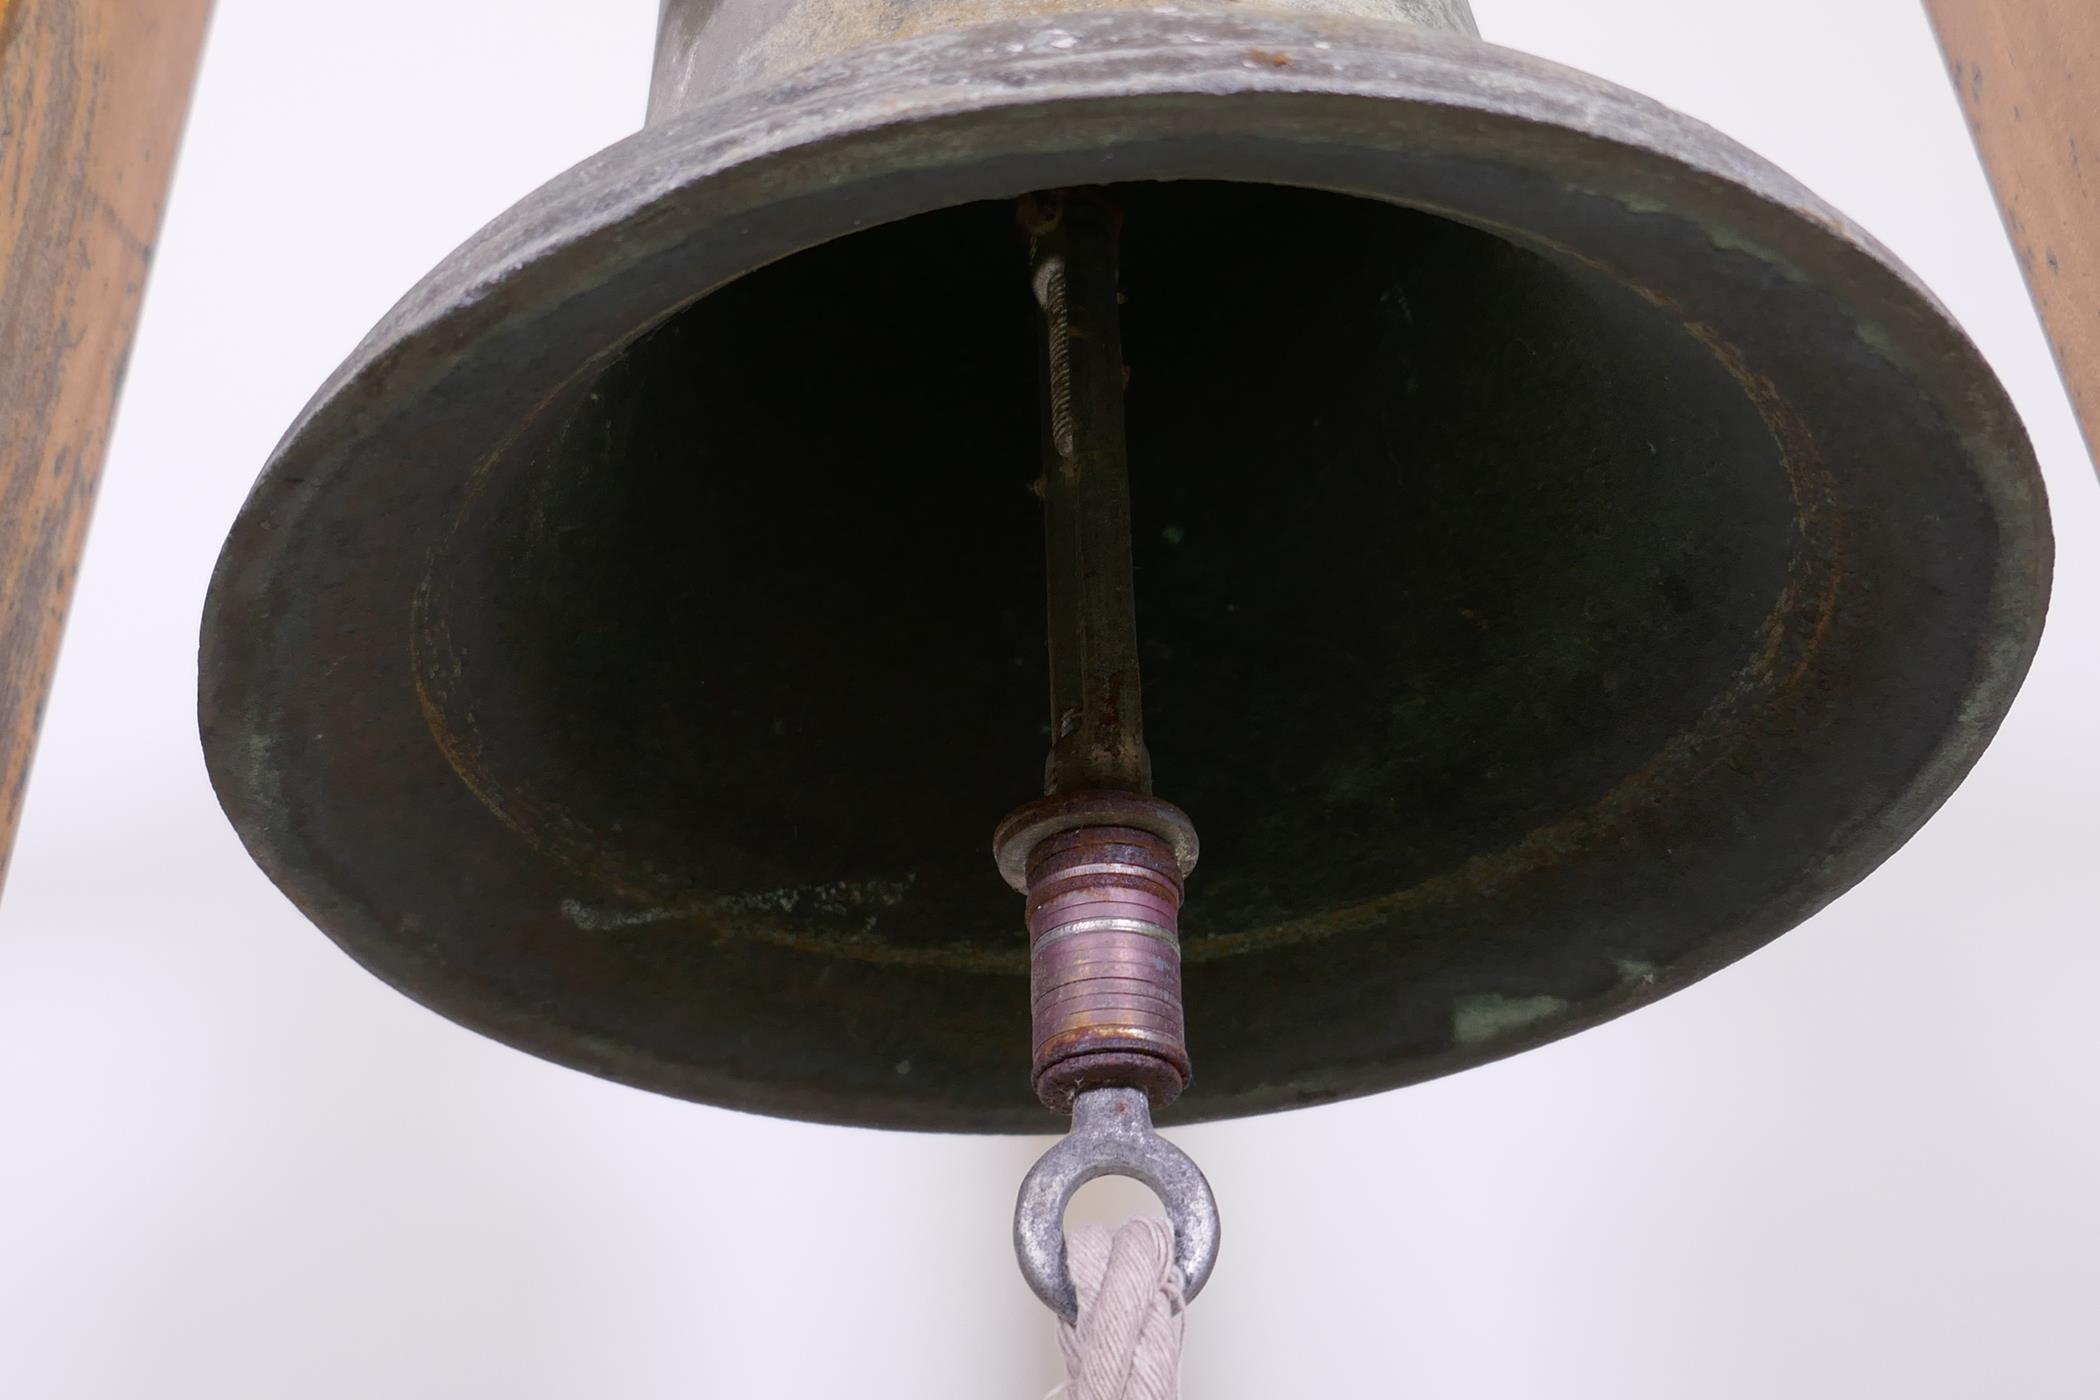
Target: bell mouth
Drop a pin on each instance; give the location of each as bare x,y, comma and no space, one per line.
1566,557
1440,544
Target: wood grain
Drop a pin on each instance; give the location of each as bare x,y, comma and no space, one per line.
92,96
2028,74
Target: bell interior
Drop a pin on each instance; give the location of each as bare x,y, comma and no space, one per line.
1440,542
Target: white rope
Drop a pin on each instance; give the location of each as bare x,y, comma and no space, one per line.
1127,1345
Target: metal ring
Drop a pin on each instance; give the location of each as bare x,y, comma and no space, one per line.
1111,1136
1030,825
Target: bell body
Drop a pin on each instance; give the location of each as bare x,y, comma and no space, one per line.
710,49
1567,554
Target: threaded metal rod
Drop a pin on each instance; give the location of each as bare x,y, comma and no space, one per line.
1097,737
1100,859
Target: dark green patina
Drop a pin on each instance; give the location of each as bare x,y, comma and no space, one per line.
1566,557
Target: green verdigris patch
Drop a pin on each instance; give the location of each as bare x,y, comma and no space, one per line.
1489,1016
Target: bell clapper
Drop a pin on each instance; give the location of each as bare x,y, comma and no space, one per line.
1101,860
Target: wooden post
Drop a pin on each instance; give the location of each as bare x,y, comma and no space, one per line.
92,97
2028,74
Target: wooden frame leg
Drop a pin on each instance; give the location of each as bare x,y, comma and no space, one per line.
2028,74
92,98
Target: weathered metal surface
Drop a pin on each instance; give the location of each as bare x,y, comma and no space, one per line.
1104,896
1097,708
1104,948
1037,821
708,49
1111,1136
622,651
2024,71
92,96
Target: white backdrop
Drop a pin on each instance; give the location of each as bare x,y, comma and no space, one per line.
1864,1162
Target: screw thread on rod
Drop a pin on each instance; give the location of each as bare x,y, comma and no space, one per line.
1101,861
1096,706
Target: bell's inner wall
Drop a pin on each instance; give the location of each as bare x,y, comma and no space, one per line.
1439,543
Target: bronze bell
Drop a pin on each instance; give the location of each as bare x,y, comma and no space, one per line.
1567,554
